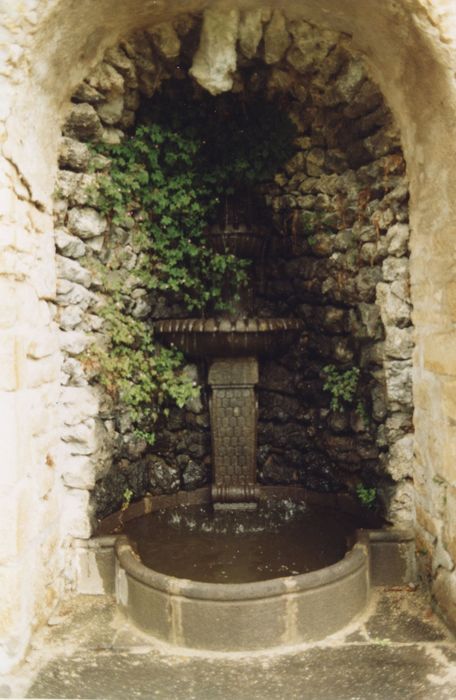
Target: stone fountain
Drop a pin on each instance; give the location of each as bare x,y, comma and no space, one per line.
232,345
289,567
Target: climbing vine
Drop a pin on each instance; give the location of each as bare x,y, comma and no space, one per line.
164,185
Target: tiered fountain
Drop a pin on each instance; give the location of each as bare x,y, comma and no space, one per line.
245,571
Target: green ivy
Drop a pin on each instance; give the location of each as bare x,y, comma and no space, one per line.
164,183
367,496
341,384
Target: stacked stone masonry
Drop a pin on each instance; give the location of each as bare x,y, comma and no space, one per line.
342,266
411,50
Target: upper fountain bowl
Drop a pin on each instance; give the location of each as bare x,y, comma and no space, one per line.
214,337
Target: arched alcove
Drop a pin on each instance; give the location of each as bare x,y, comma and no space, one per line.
409,48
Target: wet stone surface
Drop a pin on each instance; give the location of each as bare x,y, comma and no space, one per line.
94,653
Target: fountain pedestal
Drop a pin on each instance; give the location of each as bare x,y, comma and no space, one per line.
234,408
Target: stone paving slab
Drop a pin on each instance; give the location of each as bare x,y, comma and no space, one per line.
399,650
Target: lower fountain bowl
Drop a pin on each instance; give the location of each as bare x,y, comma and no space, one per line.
239,617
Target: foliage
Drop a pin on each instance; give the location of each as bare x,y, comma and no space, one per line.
164,184
341,384
141,376
167,182
366,495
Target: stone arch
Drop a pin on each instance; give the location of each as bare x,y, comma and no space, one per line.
410,48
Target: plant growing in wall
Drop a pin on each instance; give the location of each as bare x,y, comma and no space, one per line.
342,385
164,184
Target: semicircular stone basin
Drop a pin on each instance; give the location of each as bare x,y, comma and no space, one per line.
214,337
259,588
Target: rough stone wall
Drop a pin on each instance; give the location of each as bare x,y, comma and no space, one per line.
48,46
340,264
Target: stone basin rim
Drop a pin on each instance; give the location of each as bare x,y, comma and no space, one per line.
356,558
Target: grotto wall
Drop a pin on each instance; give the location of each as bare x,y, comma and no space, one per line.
340,263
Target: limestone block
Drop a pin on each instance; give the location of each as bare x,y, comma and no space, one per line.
75,188
366,283
86,222
250,32
112,136
74,155
8,361
397,239
215,60
399,381
73,342
87,93
68,245
76,515
84,438
439,353
395,310
111,111
73,372
79,472
43,371
448,389
166,40
276,38
83,123
69,317
43,344
72,271
399,463
117,57
310,45
400,509
72,294
106,79
79,403
399,342
347,84
395,269
9,301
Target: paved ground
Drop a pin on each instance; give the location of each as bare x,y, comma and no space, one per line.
399,651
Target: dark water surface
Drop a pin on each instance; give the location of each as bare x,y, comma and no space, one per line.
281,539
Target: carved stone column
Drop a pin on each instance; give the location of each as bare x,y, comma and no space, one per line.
234,430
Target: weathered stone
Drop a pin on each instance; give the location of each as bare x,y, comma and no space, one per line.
72,271
366,283
276,38
73,294
397,239
74,155
112,136
399,463
69,246
310,45
163,477
73,342
399,342
395,269
83,123
394,309
106,79
347,85
166,40
86,222
215,61
111,111
250,32
399,381
194,475
117,57
69,317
